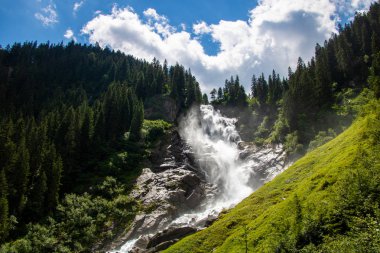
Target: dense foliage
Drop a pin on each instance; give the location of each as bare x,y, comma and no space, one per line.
295,110
68,114
328,201
71,115
80,221
232,94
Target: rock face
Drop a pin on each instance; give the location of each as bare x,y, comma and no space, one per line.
174,185
266,162
170,188
164,196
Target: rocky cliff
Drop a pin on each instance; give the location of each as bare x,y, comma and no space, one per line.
178,193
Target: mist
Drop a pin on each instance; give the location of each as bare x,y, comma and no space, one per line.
214,140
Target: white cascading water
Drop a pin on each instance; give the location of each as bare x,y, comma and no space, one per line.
214,141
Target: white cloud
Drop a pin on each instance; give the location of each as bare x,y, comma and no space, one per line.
152,13
48,15
69,34
77,6
201,28
347,8
158,22
276,34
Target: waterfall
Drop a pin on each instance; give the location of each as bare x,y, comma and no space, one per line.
214,143
213,139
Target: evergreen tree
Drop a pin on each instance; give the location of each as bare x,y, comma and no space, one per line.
4,219
20,182
137,121
220,94
53,167
213,93
254,86
36,199
205,99
374,78
262,90
190,90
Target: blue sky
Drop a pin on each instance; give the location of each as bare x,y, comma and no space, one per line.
215,38
18,22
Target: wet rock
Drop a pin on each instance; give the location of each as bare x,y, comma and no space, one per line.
175,186
163,245
168,194
142,242
265,162
170,234
208,221
172,187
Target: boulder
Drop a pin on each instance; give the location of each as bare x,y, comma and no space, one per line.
170,234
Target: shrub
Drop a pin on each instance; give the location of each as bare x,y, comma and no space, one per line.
153,129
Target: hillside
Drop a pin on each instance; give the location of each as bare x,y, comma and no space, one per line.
81,124
72,130
326,202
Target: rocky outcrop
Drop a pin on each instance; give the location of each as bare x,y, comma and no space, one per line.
171,187
161,240
266,162
174,185
164,196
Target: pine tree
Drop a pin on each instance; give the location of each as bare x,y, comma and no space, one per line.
178,85
213,93
262,90
137,121
374,78
190,89
140,86
254,86
205,99
53,167
4,219
21,179
241,97
87,131
36,198
220,94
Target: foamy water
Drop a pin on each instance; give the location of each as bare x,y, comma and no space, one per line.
213,139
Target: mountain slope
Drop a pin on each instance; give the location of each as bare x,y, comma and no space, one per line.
327,201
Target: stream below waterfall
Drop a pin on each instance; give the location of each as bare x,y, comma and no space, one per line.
231,168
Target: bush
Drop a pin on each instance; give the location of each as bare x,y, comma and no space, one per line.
153,129
321,138
291,145
279,129
81,222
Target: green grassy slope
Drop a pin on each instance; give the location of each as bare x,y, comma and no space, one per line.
327,201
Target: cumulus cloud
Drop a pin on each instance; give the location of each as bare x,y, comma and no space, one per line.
48,15
347,8
77,6
201,28
152,13
274,36
69,34
158,22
